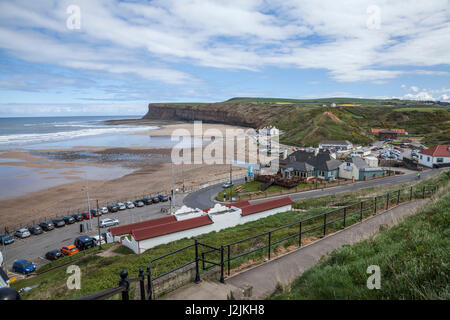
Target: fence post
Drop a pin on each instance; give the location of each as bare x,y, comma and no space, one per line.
387,201
142,283
222,280
398,197
270,243
375,206
324,224
228,258
197,271
345,215
149,281
360,210
410,194
423,192
123,282
300,234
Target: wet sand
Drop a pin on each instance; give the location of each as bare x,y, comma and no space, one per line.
151,176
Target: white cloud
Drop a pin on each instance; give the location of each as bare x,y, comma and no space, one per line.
415,93
147,39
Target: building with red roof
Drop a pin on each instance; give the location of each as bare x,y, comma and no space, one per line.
188,223
437,156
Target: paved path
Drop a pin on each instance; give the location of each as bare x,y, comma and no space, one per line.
286,268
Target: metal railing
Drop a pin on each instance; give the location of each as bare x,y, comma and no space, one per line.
317,225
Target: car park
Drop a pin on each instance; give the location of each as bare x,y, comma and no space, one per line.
69,220
58,222
163,197
78,217
113,208
109,222
6,239
121,206
23,266
47,225
84,242
53,255
22,233
35,230
69,250
138,203
129,205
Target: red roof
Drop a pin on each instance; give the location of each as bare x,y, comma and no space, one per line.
437,151
171,227
267,205
126,229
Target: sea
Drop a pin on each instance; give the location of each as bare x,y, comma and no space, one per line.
68,132
34,134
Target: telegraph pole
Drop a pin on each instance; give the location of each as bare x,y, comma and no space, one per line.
231,182
89,202
182,173
172,197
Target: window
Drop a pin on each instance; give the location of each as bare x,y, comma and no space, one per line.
428,159
440,160
421,157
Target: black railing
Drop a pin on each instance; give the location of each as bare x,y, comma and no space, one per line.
343,215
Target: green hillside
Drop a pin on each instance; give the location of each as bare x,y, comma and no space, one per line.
413,258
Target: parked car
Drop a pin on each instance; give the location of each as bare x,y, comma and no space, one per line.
113,208
104,210
163,197
47,225
53,255
35,230
121,206
78,217
108,222
86,215
95,213
227,185
69,250
84,242
155,199
138,203
69,220
103,241
129,205
22,233
6,239
58,222
147,201
23,266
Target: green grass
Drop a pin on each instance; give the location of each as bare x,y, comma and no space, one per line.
123,250
418,109
99,273
413,257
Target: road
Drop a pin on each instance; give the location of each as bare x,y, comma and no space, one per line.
34,247
204,198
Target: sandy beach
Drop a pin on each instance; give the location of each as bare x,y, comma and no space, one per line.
151,175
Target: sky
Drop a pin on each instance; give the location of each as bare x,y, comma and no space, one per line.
110,57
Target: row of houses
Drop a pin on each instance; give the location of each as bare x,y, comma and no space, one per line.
326,167
187,222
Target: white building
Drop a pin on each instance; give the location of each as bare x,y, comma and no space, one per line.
336,145
187,223
438,155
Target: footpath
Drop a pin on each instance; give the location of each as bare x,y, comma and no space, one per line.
264,278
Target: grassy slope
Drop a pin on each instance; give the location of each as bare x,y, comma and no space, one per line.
413,257
307,122
100,273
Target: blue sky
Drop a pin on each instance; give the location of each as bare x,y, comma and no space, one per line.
126,54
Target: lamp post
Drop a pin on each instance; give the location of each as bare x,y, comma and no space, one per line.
98,224
89,203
